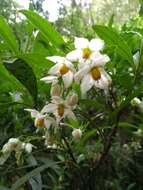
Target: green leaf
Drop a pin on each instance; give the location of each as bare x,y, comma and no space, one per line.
24,73
38,62
111,37
141,8
35,181
28,176
86,137
42,46
126,102
4,188
7,34
111,20
31,174
127,125
8,83
45,28
91,103
140,64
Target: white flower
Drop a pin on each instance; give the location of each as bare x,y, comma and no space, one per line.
85,49
76,133
60,108
63,68
41,119
13,144
93,74
27,147
135,102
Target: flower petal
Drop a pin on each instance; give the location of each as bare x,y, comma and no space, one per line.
50,108
99,59
68,79
56,59
81,43
55,69
69,114
50,79
34,113
104,81
96,44
74,56
69,65
4,157
87,83
81,73
48,122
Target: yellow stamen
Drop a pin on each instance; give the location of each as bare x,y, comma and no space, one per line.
64,69
95,72
86,53
39,122
61,110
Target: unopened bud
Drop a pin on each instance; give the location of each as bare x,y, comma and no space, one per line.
55,90
72,99
77,133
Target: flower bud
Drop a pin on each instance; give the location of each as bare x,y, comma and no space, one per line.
55,90
72,99
77,133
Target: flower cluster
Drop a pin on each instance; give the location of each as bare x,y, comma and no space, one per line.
17,146
85,66
89,71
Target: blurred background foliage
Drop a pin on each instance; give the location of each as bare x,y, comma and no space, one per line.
122,169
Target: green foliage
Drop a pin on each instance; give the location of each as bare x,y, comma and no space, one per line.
7,35
113,39
24,73
45,28
109,154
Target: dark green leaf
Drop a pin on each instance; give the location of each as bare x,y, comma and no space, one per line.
35,181
24,73
28,176
38,62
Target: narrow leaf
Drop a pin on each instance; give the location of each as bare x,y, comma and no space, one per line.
45,28
112,38
31,174
7,34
